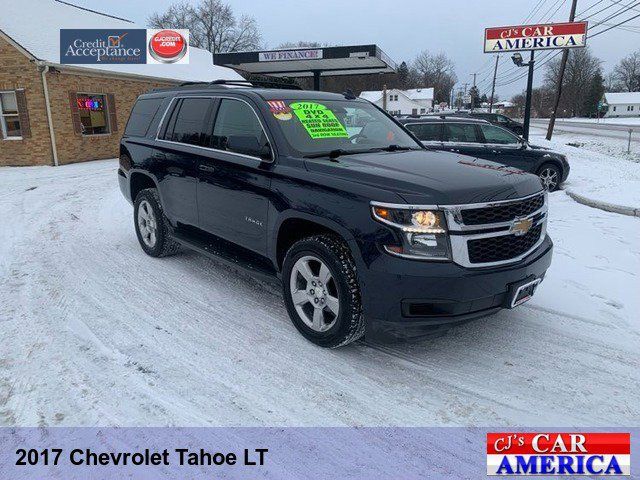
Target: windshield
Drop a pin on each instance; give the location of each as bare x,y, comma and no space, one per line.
319,127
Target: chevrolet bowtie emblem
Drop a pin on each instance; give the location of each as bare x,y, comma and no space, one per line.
521,226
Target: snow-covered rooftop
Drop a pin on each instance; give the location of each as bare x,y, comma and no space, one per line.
622,98
412,94
371,95
419,93
35,25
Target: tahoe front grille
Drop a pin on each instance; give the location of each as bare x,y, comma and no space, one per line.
505,247
484,235
502,213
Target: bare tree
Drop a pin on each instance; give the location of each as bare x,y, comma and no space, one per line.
580,71
627,73
212,25
437,71
302,44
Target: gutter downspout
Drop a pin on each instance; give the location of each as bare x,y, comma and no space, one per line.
44,69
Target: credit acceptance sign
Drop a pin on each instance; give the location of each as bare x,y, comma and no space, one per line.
535,37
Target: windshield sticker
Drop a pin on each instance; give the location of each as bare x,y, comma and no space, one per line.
280,110
318,120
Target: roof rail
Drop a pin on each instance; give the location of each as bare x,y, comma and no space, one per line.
257,83
245,83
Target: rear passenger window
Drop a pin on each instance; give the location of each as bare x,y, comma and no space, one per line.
188,122
461,132
427,132
141,116
236,119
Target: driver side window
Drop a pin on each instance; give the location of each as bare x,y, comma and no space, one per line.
236,119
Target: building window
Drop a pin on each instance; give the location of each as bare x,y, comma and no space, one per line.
93,114
9,117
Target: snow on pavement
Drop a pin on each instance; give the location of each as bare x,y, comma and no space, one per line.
94,332
600,168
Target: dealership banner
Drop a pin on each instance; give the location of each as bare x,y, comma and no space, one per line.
359,453
535,37
119,47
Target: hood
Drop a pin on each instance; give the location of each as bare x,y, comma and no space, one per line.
431,177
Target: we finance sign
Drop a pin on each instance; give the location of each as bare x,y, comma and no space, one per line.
535,37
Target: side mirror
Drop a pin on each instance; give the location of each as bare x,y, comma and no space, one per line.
248,145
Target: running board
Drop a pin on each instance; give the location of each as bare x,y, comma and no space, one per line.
229,254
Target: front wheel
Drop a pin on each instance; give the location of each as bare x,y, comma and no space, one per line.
321,291
550,176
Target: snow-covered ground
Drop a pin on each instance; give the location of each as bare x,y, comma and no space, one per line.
600,167
94,332
631,121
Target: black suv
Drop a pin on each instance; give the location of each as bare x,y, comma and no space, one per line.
365,229
480,139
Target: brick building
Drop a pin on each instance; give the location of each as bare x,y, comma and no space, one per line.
53,114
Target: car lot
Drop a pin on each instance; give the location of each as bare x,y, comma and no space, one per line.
94,332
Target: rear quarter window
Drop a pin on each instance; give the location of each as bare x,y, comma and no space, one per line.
141,116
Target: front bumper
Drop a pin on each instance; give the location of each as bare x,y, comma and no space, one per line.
408,298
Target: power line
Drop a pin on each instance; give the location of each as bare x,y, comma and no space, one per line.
589,8
614,26
617,13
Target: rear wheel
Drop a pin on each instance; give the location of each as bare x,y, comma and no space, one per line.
550,176
152,227
321,291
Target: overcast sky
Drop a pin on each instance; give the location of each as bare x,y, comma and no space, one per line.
403,28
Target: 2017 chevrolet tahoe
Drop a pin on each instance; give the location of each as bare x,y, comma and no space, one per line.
365,229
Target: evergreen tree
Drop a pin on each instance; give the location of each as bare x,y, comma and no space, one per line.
593,94
403,76
475,97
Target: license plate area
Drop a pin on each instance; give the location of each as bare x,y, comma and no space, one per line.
522,293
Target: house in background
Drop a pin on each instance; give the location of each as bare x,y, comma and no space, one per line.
623,104
415,101
53,114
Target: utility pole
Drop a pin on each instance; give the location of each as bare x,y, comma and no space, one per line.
493,85
563,65
474,78
527,107
384,97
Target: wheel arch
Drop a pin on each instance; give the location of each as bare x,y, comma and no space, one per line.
138,181
550,161
298,225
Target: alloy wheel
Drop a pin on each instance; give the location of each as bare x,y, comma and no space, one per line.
314,293
549,177
147,224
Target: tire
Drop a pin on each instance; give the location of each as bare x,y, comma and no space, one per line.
550,176
332,330
152,227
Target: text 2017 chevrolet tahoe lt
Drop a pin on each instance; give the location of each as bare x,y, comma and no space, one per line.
365,229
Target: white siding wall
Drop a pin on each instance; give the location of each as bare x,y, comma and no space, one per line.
402,105
624,110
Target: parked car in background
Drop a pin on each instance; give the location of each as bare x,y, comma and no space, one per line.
500,120
481,139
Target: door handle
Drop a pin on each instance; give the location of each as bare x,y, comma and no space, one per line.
206,168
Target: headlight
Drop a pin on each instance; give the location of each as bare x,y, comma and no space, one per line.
423,232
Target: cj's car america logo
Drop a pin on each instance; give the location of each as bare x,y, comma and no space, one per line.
86,46
603,454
